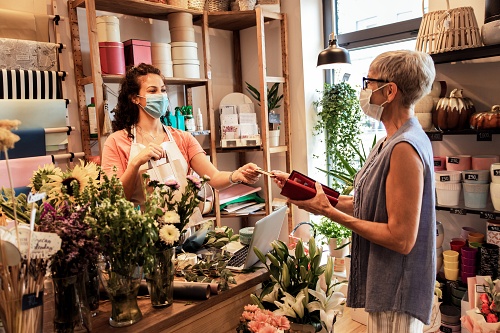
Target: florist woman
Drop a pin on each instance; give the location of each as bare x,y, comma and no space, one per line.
141,143
392,211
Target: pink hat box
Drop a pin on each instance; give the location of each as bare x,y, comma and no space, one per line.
112,58
484,162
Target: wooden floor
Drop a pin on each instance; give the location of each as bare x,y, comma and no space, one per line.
346,325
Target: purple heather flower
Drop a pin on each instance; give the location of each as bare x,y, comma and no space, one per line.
195,180
172,183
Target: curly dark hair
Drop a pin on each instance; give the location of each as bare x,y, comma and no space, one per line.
126,112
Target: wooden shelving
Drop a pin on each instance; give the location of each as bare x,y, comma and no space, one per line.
466,54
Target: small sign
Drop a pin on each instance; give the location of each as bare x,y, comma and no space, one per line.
33,300
471,176
274,118
445,329
494,228
435,136
487,215
496,172
437,163
453,160
484,136
458,211
35,197
444,178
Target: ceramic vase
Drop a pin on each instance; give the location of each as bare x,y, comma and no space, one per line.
122,292
71,310
161,279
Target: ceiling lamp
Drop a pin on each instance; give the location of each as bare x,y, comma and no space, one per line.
333,55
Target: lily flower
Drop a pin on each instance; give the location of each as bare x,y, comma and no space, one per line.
291,306
328,305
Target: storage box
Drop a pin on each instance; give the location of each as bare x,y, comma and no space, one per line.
137,51
112,58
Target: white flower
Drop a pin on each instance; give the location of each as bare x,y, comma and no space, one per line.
328,306
169,234
171,217
291,306
273,295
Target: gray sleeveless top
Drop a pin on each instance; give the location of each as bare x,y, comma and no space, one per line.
382,279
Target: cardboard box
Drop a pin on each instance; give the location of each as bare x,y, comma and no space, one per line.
137,51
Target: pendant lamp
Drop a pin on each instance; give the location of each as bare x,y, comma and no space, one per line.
333,55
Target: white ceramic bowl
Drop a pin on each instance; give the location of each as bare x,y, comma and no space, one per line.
447,176
448,194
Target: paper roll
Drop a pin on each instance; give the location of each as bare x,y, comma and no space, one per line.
32,143
191,290
28,55
37,113
21,170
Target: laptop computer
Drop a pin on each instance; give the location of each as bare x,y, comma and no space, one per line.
266,230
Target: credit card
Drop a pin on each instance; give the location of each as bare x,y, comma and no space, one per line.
267,173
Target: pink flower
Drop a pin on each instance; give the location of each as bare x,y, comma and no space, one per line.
484,298
172,183
491,318
282,322
262,317
248,315
268,329
485,308
256,326
195,180
251,307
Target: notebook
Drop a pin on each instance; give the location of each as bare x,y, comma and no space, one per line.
301,187
266,230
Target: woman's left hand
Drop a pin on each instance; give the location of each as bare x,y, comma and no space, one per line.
318,205
247,174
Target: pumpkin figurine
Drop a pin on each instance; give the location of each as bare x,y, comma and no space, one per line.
486,120
453,113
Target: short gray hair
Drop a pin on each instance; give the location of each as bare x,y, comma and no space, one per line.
412,71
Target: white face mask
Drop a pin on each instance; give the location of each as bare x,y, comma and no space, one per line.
371,110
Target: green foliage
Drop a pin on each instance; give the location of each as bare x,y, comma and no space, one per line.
273,97
219,238
330,229
339,119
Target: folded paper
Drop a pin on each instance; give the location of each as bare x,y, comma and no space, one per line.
28,54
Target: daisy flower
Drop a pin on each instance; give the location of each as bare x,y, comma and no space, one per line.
169,234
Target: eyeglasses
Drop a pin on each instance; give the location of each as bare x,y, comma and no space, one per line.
368,79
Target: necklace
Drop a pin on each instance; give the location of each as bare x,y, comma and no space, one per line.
148,133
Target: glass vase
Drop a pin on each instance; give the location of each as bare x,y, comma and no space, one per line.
161,279
122,292
71,310
92,287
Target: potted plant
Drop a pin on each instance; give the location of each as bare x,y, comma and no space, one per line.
335,235
273,100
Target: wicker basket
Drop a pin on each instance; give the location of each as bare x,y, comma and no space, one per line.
247,4
268,2
196,4
217,5
448,30
178,3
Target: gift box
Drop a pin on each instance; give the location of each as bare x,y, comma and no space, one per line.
112,58
137,51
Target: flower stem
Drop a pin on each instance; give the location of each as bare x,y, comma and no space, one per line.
13,195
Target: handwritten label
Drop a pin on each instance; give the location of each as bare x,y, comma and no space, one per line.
31,301
471,176
484,136
445,329
453,160
458,211
487,215
24,237
444,178
35,197
44,244
496,172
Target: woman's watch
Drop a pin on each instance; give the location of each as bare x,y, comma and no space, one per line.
231,181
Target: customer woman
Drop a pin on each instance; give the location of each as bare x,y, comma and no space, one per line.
140,142
392,211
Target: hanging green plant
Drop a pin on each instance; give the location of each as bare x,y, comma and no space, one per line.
339,119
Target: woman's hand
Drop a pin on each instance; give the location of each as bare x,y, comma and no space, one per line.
318,205
246,174
152,151
280,177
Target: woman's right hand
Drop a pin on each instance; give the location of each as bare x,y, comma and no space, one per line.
152,151
280,177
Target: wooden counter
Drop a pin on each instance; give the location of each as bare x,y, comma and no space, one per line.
218,314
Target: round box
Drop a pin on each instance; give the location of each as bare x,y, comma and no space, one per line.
182,34
476,195
180,20
108,29
188,69
458,162
166,68
112,58
439,163
495,195
246,235
160,52
184,50
484,162
495,173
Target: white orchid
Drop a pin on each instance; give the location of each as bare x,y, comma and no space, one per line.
328,305
291,306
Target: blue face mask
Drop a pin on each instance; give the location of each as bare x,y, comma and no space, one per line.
156,104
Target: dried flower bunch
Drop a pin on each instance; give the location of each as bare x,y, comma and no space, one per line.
170,208
295,289
79,244
256,320
7,138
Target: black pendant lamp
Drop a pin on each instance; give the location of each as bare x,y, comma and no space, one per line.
333,55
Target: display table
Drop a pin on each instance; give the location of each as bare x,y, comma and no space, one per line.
220,313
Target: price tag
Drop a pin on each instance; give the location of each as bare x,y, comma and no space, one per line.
445,329
471,176
484,136
458,211
453,160
444,178
487,215
435,136
31,301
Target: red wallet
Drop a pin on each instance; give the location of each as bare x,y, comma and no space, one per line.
300,187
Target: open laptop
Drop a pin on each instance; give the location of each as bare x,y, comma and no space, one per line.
266,230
